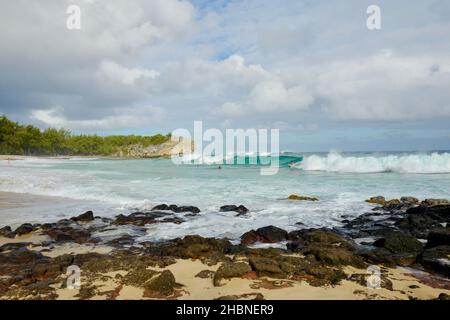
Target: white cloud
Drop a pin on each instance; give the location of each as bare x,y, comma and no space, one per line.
112,71
386,86
121,119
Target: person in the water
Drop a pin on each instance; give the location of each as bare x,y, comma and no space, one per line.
219,167
291,165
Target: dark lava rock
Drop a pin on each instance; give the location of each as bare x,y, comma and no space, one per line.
85,217
321,237
14,246
443,296
176,208
7,232
205,274
125,240
24,229
21,256
417,225
440,213
140,218
160,207
138,277
366,225
174,220
399,243
269,234
436,259
326,246
187,209
210,250
378,256
267,267
336,256
162,285
239,209
438,237
68,234
230,270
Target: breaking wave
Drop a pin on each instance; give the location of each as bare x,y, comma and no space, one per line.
401,163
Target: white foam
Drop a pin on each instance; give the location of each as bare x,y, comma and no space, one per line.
407,163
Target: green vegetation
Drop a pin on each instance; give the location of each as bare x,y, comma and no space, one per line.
28,140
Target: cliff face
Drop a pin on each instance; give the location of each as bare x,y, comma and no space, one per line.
166,149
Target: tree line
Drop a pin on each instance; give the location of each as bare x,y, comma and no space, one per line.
17,139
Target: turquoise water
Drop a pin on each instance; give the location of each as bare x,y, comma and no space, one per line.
110,187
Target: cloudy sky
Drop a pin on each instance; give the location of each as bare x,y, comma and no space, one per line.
308,67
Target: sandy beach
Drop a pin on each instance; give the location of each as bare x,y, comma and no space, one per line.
318,264
190,286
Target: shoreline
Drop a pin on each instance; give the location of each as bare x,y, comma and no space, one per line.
316,264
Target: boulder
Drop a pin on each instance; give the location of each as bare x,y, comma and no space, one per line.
141,218
400,243
435,202
7,232
239,209
443,296
302,198
377,200
68,234
85,217
438,237
176,208
335,256
439,213
24,229
197,247
267,267
188,209
161,286
138,277
409,200
417,225
269,234
160,207
230,270
436,259
205,274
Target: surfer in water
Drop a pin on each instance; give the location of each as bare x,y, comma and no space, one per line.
291,164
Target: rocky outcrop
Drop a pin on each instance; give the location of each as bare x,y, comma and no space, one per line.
269,234
24,229
144,218
239,209
436,259
85,217
230,270
302,198
438,237
176,209
161,286
167,149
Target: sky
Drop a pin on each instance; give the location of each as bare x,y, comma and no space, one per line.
310,68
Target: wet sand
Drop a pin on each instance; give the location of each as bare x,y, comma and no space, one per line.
18,208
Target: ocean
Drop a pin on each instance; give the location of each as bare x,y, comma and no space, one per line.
342,181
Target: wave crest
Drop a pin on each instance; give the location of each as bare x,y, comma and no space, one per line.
406,163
